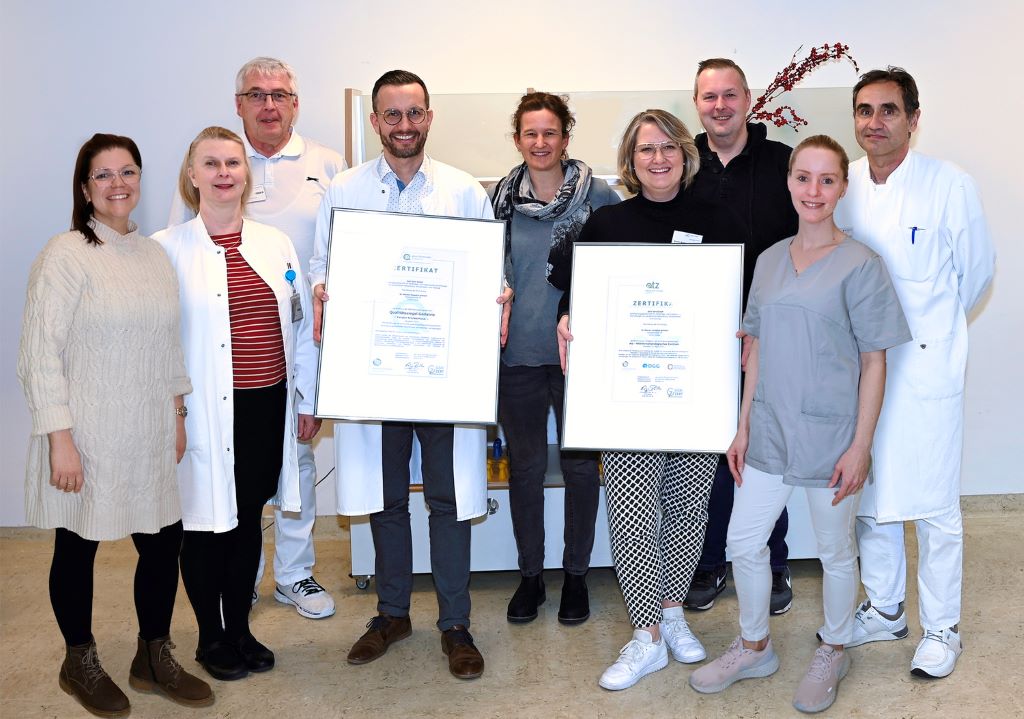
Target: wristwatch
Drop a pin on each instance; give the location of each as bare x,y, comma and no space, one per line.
181,411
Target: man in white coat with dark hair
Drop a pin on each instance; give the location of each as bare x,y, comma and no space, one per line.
373,458
924,217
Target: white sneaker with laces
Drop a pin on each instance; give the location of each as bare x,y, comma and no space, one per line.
870,626
641,656
936,654
309,598
675,632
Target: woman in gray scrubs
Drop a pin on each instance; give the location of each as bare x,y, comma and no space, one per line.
822,311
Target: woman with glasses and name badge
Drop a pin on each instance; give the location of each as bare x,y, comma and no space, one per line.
248,344
545,202
657,501
102,368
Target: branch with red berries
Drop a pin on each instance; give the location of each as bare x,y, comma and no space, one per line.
789,77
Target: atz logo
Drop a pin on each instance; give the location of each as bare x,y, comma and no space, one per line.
674,392
435,370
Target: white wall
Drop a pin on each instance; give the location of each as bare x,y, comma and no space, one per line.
161,72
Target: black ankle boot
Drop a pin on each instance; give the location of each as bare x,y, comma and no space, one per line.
575,605
523,606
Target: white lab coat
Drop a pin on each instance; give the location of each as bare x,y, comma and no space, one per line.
206,473
927,223
357,445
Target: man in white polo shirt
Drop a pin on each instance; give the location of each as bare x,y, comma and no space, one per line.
290,176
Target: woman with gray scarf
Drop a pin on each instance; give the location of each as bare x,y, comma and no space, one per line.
545,201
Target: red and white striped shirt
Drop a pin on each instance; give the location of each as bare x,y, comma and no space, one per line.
257,347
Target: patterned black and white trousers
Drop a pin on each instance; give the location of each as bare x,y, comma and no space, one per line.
657,514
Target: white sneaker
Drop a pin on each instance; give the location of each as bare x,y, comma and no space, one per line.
640,657
936,654
675,632
309,598
870,626
737,663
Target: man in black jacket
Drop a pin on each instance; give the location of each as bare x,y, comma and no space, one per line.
744,174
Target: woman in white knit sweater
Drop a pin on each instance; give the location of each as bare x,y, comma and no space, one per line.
103,372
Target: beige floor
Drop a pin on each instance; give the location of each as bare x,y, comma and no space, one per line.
536,670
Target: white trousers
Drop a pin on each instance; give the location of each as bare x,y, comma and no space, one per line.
756,506
293,531
940,557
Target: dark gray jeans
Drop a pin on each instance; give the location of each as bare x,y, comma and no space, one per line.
524,396
392,535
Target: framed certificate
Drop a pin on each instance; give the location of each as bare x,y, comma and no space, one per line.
654,364
411,329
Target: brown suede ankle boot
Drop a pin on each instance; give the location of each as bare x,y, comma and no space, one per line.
82,677
154,668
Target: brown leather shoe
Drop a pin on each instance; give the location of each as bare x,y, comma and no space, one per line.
82,676
154,669
381,632
464,659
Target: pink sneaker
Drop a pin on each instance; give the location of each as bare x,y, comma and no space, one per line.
737,663
820,685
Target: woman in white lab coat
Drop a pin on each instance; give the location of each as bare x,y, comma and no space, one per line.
248,345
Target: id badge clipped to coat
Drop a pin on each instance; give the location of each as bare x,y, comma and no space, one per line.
296,300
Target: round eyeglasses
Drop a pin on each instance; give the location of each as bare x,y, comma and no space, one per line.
393,116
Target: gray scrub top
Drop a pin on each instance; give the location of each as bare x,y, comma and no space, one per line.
812,328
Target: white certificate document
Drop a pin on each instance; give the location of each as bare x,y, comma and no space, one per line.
650,342
411,329
411,332
654,361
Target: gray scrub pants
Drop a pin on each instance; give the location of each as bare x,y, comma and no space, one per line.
392,534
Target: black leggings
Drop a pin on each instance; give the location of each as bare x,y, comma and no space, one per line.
156,582
219,568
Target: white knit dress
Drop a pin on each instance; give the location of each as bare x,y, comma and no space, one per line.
101,354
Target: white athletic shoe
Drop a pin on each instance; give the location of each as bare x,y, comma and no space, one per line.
641,656
737,663
309,598
936,654
675,632
870,626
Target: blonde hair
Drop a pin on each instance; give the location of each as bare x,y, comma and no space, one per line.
676,131
823,142
189,192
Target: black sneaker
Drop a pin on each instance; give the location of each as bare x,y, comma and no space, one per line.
782,592
704,587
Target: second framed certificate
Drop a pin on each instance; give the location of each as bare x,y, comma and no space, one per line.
654,361
410,332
